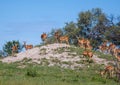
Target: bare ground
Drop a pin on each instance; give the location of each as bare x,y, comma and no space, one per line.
49,55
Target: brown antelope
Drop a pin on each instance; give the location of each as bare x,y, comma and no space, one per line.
118,57
44,37
64,38
118,51
27,46
87,45
56,35
14,49
111,47
88,53
115,52
81,42
103,48
108,71
86,42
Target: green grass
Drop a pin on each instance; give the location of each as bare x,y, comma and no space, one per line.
105,56
43,75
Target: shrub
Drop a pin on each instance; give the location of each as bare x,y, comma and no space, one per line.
32,72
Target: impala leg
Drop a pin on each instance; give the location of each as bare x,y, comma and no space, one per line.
12,53
67,42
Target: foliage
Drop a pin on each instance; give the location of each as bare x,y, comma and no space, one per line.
72,31
93,24
1,53
31,72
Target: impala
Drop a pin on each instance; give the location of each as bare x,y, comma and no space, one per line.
81,42
87,45
14,49
57,35
116,52
64,38
28,46
111,47
44,36
108,71
88,53
103,48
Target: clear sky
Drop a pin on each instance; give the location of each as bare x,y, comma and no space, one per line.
25,20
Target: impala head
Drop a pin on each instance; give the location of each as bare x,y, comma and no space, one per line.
44,36
57,34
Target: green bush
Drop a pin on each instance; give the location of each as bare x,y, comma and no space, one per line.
32,72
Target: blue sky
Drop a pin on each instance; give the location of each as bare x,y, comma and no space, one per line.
25,20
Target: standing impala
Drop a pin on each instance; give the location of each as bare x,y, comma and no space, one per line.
61,38
108,71
56,35
27,46
44,37
81,42
14,49
88,54
64,38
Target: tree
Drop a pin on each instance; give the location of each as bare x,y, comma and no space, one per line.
2,54
7,48
72,31
92,24
118,21
84,22
99,20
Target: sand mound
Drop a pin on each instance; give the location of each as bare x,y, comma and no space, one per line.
52,54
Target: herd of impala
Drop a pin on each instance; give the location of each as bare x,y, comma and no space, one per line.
83,43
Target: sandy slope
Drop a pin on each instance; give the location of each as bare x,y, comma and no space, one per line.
34,53
49,53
